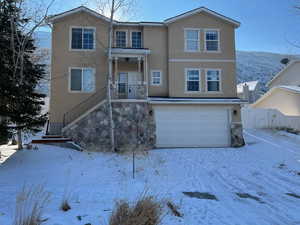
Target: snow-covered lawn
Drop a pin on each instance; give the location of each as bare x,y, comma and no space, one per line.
258,184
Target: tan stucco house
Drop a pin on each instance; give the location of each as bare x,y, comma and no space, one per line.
174,82
285,99
289,75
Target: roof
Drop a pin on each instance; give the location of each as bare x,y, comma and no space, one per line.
291,89
202,9
251,84
143,23
283,71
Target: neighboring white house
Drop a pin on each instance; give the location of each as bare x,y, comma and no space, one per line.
289,75
249,91
285,99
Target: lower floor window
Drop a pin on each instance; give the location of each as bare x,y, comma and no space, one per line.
213,80
82,79
155,77
192,80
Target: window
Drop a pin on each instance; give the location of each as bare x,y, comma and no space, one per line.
213,80
212,40
192,42
192,80
83,38
121,41
136,39
82,80
155,77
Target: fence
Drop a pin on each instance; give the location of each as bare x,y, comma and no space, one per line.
268,118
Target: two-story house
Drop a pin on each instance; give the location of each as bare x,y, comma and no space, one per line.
174,82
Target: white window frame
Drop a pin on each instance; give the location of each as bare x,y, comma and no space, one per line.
82,27
131,31
219,45
81,68
160,77
126,36
185,39
220,80
186,80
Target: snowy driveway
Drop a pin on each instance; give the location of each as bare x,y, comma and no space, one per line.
258,184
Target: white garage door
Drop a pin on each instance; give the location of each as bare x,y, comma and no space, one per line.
191,126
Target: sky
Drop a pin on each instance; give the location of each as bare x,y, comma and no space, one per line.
266,25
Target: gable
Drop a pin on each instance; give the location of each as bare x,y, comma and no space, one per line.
206,11
76,11
289,75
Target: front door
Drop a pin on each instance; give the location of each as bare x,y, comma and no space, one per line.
133,84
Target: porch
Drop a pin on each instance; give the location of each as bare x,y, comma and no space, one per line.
130,69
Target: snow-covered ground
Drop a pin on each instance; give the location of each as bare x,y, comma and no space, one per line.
251,184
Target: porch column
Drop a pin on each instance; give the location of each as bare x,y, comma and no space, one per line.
115,79
146,75
139,64
144,70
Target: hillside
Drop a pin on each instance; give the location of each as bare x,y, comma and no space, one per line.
260,66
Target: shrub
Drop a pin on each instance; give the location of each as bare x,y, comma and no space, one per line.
146,211
30,204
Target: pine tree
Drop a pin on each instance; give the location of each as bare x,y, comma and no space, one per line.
20,102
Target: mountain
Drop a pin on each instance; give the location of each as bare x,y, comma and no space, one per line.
251,66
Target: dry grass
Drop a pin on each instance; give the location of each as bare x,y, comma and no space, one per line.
146,211
174,209
30,204
65,206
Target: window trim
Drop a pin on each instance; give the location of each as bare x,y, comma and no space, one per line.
160,77
131,31
82,27
219,40
220,80
199,39
126,36
185,80
81,68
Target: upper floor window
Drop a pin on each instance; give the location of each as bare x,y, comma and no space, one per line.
155,77
121,39
83,38
192,40
82,79
192,80
212,40
213,80
136,39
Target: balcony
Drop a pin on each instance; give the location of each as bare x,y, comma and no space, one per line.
129,91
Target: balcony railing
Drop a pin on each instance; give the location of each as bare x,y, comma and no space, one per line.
129,91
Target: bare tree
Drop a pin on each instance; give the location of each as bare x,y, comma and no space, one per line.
111,8
35,13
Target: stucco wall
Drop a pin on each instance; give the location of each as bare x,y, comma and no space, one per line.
176,51
155,38
284,101
61,100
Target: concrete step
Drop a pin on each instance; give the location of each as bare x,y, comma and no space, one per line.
50,140
52,136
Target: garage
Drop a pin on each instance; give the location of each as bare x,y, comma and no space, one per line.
192,126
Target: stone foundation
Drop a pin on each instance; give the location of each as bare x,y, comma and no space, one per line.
134,128
237,139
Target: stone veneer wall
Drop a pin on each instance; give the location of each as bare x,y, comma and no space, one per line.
237,139
134,128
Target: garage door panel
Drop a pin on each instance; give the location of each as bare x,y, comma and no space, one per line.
191,126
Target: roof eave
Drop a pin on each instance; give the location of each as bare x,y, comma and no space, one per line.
192,12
